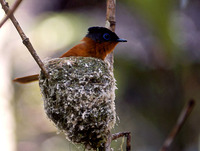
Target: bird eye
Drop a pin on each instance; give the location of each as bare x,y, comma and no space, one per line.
106,36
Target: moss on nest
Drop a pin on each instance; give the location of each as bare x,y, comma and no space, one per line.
79,98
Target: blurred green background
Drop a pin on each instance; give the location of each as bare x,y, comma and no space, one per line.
157,70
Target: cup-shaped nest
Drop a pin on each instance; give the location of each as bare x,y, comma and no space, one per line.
79,98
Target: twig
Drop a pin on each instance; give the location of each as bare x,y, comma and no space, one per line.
25,40
110,14
124,134
181,120
10,12
107,144
110,23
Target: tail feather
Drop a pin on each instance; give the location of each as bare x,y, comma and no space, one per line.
27,79
32,78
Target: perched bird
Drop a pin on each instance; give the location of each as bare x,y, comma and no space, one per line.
98,43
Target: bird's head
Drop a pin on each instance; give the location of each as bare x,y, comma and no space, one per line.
101,41
102,34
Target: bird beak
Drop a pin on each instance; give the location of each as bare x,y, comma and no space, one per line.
121,40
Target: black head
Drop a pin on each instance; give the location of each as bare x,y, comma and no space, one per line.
102,34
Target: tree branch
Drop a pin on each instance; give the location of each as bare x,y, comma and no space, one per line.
25,40
124,134
110,14
10,12
181,120
110,23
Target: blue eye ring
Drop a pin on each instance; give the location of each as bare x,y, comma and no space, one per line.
106,36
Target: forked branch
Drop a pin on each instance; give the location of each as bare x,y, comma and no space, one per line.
25,39
10,12
128,138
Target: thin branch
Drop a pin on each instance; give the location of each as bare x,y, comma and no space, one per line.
180,122
124,134
10,12
106,145
110,14
110,23
25,40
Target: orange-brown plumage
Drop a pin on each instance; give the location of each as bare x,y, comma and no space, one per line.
90,48
95,44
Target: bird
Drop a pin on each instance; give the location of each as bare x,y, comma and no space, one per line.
98,43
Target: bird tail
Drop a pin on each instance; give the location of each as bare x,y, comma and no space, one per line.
27,79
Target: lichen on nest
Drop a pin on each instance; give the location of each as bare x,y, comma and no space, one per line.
79,98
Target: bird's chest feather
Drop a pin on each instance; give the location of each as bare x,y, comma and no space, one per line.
100,50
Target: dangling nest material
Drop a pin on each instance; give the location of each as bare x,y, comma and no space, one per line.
79,98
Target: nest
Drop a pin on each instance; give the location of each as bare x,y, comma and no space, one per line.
79,99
